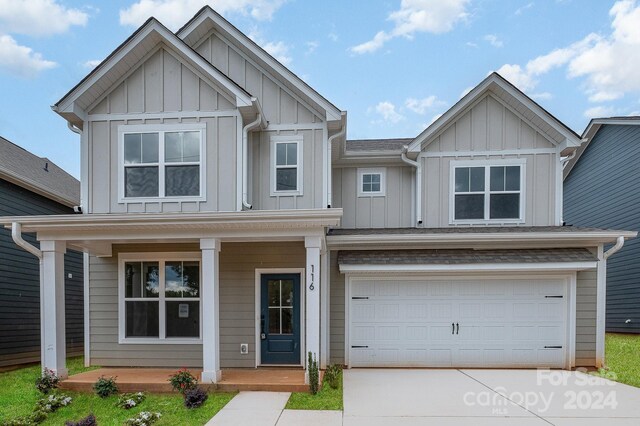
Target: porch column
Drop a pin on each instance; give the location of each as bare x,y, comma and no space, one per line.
210,310
52,322
312,292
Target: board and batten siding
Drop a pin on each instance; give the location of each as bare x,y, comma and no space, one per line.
279,104
393,210
238,262
336,311
487,127
261,168
603,191
163,84
20,283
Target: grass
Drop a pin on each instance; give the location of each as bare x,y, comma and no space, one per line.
326,399
18,396
623,358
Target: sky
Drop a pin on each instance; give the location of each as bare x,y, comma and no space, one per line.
394,65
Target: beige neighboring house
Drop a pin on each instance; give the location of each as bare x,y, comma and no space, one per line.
230,224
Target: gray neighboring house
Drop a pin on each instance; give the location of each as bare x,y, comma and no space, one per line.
602,189
30,185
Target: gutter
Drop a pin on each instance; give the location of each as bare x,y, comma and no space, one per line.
418,167
616,248
16,234
341,133
258,122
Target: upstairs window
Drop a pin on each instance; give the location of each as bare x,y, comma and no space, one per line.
163,163
487,193
371,182
286,160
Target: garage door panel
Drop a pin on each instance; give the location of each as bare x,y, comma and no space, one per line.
497,323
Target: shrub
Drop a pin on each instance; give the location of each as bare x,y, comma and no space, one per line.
144,418
47,382
130,400
105,386
51,403
313,374
90,420
182,380
332,376
194,398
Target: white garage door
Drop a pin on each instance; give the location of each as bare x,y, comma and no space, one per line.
457,323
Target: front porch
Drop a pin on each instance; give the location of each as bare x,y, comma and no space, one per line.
156,380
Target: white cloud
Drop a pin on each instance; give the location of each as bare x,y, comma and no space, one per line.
471,44
422,106
92,63
38,17
311,47
175,13
415,16
493,40
599,112
608,63
388,112
542,96
279,50
333,36
520,10
21,60
466,91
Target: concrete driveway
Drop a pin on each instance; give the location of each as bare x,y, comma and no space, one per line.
486,397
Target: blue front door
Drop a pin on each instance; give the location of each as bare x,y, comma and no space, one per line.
280,319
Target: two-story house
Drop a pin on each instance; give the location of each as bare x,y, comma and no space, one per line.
230,224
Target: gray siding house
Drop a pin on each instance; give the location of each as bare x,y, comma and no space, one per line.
602,189
30,185
230,224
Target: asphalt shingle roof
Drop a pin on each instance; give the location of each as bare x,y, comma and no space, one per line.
25,167
463,256
377,144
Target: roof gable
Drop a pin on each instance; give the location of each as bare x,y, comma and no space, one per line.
207,20
513,98
122,61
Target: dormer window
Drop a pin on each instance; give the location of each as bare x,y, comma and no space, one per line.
161,161
485,192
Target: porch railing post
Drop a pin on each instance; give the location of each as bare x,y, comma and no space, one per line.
52,301
210,310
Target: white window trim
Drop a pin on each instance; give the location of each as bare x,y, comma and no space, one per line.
161,129
487,164
155,257
382,171
275,140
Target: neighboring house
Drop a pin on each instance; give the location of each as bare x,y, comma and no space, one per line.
231,225
602,189
30,185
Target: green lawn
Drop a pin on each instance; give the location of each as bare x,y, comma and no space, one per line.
326,399
622,357
18,396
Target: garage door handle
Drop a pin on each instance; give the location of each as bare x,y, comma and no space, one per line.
457,328
554,297
553,347
359,298
359,347
453,328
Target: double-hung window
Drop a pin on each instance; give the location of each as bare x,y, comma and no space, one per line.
159,298
286,165
371,182
491,192
161,161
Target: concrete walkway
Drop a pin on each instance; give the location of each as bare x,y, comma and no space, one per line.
267,409
486,397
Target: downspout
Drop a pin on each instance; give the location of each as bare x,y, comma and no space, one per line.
73,128
615,248
245,160
330,171
418,167
566,160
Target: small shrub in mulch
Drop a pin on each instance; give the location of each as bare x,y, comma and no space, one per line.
47,382
182,380
105,386
194,398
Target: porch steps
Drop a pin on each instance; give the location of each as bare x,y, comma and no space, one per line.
155,380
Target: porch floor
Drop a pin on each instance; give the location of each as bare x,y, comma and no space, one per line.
155,380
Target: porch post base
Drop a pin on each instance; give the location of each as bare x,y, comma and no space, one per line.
62,373
210,377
